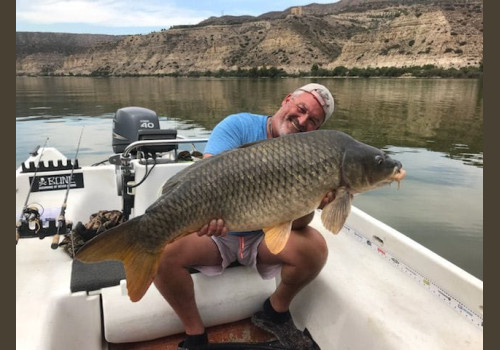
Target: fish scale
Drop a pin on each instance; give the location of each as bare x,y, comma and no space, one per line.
265,185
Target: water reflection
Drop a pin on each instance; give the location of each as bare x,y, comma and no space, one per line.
433,126
437,114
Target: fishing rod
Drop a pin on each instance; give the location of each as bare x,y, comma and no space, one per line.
61,221
24,212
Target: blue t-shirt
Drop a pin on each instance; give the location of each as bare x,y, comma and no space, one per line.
236,130
233,131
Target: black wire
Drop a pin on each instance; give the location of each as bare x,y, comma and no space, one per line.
147,172
101,162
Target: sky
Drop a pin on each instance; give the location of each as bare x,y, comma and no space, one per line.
119,17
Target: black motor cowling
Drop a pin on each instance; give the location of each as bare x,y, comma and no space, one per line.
126,125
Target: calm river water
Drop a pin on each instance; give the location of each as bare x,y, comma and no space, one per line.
433,126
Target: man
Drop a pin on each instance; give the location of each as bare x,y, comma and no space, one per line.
213,248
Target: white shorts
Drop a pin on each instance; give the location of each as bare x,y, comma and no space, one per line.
242,249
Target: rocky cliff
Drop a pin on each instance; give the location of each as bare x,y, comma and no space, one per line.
350,33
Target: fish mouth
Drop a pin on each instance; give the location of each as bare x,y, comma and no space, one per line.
398,175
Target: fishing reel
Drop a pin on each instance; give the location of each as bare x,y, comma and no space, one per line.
32,225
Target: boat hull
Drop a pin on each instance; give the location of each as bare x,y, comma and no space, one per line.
378,290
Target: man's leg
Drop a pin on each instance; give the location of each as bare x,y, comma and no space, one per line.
302,259
174,281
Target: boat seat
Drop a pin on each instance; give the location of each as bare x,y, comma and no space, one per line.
234,295
89,277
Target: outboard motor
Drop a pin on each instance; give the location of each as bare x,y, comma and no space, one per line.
131,124
126,125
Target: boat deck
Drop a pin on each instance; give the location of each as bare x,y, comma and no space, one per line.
363,298
239,331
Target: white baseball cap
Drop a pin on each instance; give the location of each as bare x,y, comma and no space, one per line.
322,95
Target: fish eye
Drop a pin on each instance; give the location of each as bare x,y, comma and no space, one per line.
379,159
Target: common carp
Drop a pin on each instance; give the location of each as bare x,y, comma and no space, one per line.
263,185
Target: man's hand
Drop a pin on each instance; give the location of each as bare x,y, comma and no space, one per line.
216,227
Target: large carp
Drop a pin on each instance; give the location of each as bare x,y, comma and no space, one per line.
263,185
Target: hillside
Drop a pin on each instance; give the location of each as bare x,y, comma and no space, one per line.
350,33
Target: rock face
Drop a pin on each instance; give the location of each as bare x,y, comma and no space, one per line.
350,33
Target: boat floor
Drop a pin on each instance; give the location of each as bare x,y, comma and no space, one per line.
357,302
239,331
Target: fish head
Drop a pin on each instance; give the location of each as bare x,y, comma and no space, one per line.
365,167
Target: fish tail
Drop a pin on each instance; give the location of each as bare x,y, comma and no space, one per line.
121,243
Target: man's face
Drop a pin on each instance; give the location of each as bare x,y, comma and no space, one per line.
298,114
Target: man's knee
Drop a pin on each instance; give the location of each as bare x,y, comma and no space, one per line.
314,250
169,260
187,252
321,250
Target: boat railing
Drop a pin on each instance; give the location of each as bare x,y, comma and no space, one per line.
164,142
127,176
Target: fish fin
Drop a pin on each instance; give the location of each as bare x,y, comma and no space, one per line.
277,236
121,243
140,271
335,213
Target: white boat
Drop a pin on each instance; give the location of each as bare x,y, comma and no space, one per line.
378,290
